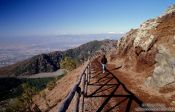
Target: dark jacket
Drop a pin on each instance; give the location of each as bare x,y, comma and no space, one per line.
104,60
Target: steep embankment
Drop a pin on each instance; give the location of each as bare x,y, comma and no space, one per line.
51,62
147,55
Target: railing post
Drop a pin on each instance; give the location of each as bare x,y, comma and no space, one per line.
89,71
87,74
87,80
83,91
78,94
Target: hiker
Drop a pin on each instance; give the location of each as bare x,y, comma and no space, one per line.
103,63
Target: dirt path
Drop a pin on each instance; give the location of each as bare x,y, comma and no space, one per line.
105,92
135,85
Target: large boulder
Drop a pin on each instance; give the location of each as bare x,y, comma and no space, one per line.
144,39
164,72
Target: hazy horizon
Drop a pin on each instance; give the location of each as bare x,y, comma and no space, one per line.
14,49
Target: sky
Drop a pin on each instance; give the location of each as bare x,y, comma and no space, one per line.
56,17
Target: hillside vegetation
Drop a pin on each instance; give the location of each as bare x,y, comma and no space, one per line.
68,63
16,94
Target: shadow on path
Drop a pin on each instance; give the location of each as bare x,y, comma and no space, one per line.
116,97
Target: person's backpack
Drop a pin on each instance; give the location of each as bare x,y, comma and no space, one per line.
104,60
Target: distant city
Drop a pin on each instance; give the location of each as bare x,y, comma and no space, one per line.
17,49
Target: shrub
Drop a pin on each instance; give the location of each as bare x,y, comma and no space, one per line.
68,63
24,102
16,105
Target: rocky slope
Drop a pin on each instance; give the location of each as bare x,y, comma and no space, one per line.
51,62
150,52
39,63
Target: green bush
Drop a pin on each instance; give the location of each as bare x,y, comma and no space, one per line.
20,99
68,63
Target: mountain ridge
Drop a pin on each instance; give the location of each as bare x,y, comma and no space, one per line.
50,62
